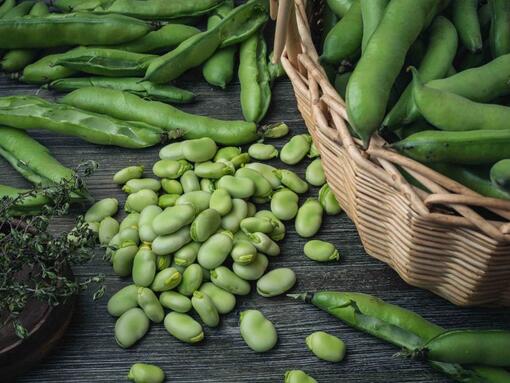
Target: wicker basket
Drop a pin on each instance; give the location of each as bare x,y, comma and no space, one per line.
435,240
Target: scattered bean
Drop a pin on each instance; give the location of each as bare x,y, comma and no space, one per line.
262,152
284,204
276,282
253,270
108,227
184,327
315,174
150,305
258,332
126,174
146,373
227,280
205,225
175,301
123,300
224,301
309,218
296,149
191,280
166,279
321,251
136,202
100,210
131,327
326,346
215,250
144,266
205,308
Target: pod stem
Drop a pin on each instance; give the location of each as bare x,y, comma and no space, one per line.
305,297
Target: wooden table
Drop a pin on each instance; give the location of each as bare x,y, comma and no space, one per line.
88,352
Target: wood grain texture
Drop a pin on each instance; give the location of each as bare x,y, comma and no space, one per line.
88,352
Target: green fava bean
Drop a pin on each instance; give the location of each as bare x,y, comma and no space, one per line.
232,220
279,231
123,259
224,301
253,224
267,171
146,373
190,182
172,219
240,160
187,254
93,226
315,174
150,305
144,266
166,279
309,218
241,236
129,235
215,250
135,185
126,174
264,244
198,199
147,215
321,251
500,174
168,244
291,180
136,202
296,149
276,282
130,221
257,331
131,327
214,169
253,270
227,153
262,152
326,346
199,150
298,376
237,187
263,188
221,201
167,200
172,151
227,280
108,227
175,301
123,300
205,309
252,209
171,186
205,225
172,169
100,210
183,327
284,204
277,130
207,185
192,278
163,262
328,201
313,152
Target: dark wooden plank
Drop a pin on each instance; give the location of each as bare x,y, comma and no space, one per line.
88,352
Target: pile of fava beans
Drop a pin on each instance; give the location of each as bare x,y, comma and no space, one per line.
432,76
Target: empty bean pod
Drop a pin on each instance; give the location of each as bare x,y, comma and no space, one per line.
175,301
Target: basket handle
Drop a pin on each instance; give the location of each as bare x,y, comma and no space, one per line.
286,34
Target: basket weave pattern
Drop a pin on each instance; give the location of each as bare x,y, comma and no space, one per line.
435,240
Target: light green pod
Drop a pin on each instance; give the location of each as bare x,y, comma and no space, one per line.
167,200
150,305
315,173
190,181
224,301
298,376
131,327
199,150
262,152
240,160
214,170
263,188
328,201
252,271
123,300
264,244
243,252
173,218
291,180
101,209
171,169
187,254
163,261
276,282
183,327
267,172
227,153
296,149
166,279
257,331
309,218
232,220
130,221
205,225
221,201
175,301
171,186
137,184
285,204
279,228
126,174
277,130
256,224
191,280
199,199
227,280
122,259
172,151
147,215
129,235
205,309
168,244
326,346
207,185
314,152
146,373
321,251
136,202
215,250
237,187
108,227
144,266
252,209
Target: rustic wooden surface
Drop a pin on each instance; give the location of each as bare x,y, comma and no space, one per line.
88,352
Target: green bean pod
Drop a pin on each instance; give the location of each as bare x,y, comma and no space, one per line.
6,6
340,7
500,174
44,70
30,203
500,29
298,376
146,373
465,18
372,12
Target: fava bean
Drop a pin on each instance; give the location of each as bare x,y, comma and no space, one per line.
172,151
227,280
189,181
131,327
126,174
264,244
277,130
252,209
253,270
191,280
321,251
227,153
147,215
257,331
313,152
100,210
166,279
214,169
199,199
172,219
232,220
279,228
262,152
284,204
122,259
291,180
6,6
135,185
237,187
172,169
215,250
144,266
129,235
298,376
175,301
205,225
167,200
256,224
183,327
326,346
168,244
108,227
123,300
296,149
276,282
240,160
130,221
267,172
328,201
199,150
263,189
207,185
224,301
171,186
136,202
221,201
243,252
205,309
163,262
315,174
150,305
309,218
187,254
146,373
